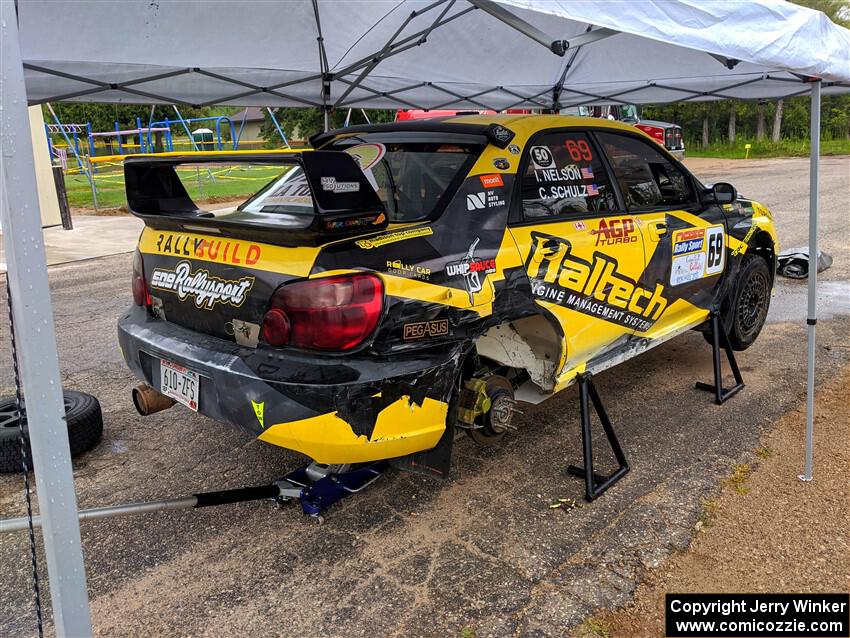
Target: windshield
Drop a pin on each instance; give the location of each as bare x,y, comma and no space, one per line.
413,179
628,113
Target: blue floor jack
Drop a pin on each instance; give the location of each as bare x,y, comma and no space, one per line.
317,487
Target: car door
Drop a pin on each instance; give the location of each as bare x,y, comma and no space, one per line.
684,243
582,256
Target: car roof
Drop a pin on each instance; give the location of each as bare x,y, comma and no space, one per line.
519,123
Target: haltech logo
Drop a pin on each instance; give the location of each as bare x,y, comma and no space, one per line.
203,288
616,231
594,288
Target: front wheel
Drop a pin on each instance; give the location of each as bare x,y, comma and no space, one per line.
750,304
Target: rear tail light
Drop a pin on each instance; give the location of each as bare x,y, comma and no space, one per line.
669,138
141,296
329,313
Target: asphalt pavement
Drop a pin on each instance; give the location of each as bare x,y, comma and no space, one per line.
413,556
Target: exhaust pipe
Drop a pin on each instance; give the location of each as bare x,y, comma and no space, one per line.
149,401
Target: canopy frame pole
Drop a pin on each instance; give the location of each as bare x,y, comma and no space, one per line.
276,125
327,76
408,42
36,343
464,98
812,317
559,86
376,60
558,47
387,94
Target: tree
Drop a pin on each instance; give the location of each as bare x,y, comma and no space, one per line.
836,10
104,116
777,121
760,121
298,123
732,122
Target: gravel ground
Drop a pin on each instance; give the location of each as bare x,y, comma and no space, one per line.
412,556
768,532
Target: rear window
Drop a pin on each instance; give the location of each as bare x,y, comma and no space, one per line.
288,193
414,180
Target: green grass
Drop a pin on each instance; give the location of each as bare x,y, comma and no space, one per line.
237,183
738,479
766,148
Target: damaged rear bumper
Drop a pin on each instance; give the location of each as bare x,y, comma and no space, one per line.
334,409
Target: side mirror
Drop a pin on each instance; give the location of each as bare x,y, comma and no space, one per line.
723,193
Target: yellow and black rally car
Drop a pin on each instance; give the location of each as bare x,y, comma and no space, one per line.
406,280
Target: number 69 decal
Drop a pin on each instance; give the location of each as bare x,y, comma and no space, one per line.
715,249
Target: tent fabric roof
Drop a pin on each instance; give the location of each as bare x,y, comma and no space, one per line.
428,53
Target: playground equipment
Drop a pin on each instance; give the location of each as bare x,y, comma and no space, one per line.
74,130
167,123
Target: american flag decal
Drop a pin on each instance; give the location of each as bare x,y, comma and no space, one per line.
592,190
587,173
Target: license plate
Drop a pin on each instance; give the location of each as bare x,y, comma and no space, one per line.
180,384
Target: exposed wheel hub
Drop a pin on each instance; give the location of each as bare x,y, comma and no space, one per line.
487,408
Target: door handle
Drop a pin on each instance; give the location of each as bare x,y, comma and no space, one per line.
658,229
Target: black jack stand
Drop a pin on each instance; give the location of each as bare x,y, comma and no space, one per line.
721,394
595,484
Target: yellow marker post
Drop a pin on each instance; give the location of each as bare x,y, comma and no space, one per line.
748,147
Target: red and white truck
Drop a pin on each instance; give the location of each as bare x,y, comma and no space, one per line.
667,134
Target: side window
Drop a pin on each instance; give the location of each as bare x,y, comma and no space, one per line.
564,176
646,178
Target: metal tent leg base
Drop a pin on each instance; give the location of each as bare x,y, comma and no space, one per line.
316,491
595,484
721,394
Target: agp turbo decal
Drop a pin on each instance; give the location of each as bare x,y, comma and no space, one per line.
697,253
205,290
616,231
593,288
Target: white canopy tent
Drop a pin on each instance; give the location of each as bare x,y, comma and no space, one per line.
456,54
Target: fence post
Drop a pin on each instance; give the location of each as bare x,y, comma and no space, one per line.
93,186
62,196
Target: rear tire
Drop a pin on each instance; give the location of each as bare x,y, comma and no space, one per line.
750,304
85,427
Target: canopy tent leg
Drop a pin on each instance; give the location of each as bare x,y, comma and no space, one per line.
812,318
36,343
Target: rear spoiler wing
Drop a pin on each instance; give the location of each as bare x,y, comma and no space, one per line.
344,201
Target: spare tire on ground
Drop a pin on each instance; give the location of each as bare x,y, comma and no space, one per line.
85,427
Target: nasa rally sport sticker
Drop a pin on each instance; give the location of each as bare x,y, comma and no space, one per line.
697,253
